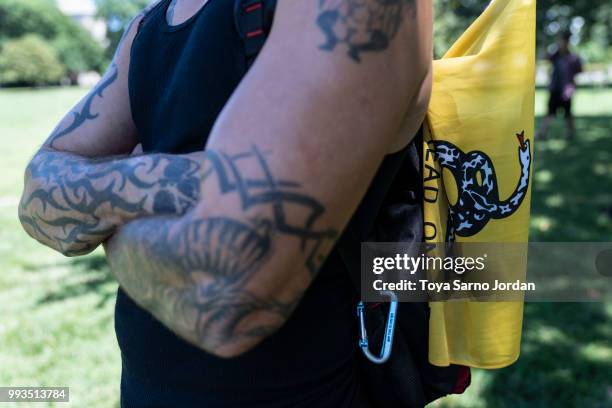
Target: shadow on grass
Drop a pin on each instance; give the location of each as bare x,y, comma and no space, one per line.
88,275
565,360
566,357
572,187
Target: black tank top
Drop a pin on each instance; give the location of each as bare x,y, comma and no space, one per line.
179,80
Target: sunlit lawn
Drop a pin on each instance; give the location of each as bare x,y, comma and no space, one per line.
566,357
56,324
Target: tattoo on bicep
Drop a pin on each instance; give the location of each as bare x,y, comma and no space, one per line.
361,25
219,255
85,114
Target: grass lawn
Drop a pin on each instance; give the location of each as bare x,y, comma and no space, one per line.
566,356
56,314
56,324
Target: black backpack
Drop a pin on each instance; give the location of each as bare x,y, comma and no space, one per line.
407,379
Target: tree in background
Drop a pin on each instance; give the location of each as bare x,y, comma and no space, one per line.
452,19
29,60
73,46
117,14
590,22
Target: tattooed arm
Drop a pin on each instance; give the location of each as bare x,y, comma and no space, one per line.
288,161
76,193
72,204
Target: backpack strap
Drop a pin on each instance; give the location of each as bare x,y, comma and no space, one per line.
253,19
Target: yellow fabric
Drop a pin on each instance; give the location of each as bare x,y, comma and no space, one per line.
483,101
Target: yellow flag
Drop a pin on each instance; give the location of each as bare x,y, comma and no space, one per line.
480,125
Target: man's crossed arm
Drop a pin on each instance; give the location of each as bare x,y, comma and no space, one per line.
82,184
73,204
339,84
211,275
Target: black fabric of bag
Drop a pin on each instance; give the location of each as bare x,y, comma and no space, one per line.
407,379
392,211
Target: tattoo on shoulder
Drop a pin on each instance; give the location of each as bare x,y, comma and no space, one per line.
361,25
85,114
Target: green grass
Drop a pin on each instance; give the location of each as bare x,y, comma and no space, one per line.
566,356
56,314
56,324
572,190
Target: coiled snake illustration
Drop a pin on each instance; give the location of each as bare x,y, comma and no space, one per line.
478,200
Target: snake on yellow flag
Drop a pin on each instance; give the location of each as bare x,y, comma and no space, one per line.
478,160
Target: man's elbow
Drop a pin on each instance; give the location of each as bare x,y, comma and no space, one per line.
417,107
25,210
31,212
422,97
32,227
228,352
249,334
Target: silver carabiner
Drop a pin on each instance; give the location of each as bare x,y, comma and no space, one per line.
385,351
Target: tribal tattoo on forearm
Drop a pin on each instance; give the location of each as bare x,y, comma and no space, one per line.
72,204
361,25
192,272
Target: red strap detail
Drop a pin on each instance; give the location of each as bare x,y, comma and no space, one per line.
463,380
252,8
255,33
